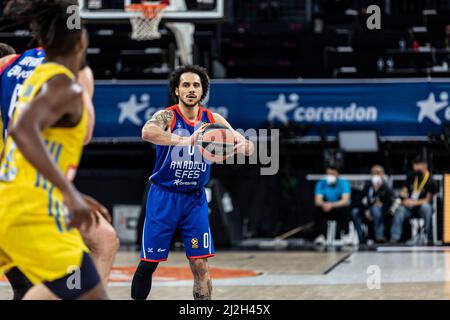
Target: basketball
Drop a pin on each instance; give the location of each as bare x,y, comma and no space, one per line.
216,143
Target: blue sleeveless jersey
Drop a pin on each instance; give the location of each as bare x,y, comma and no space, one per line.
12,77
182,169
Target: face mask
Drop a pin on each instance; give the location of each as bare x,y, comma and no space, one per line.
331,179
377,180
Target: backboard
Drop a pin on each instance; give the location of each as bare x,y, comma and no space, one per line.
178,10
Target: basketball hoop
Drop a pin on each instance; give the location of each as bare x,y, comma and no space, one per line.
145,24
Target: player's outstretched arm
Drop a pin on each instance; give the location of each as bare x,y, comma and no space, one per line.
243,145
59,97
156,131
86,80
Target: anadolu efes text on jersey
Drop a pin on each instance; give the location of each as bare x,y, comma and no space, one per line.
182,169
12,76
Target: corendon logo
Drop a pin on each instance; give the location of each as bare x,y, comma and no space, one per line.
284,109
430,108
130,110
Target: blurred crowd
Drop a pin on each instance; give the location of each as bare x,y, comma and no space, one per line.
378,213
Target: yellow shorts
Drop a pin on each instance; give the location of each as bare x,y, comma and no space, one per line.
34,244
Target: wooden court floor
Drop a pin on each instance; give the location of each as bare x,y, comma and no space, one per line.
255,275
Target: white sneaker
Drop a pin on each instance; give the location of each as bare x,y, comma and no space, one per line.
347,240
320,240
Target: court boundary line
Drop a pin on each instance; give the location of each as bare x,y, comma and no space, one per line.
337,263
412,249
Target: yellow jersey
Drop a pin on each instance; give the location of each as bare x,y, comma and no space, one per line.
19,178
1,138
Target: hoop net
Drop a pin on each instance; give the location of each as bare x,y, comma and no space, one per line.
145,25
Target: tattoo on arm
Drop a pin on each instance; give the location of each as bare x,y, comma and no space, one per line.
162,119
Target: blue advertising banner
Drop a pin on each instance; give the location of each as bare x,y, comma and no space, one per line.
398,109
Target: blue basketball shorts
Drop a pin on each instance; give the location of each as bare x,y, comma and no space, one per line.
168,211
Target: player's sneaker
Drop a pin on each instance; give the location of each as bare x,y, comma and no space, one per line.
320,240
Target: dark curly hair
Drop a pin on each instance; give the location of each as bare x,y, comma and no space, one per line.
420,158
47,20
6,50
174,80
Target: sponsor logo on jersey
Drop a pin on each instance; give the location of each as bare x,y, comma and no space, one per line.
179,182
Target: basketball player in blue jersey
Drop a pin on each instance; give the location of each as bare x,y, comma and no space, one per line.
176,199
13,73
14,70
41,209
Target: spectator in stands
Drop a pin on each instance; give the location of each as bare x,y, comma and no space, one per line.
373,205
332,200
414,44
417,196
317,24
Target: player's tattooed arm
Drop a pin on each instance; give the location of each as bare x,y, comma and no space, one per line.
162,119
156,130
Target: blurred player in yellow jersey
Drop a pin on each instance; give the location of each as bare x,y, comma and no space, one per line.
102,239
41,208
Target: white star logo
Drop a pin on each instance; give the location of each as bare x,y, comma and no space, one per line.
130,109
429,108
280,108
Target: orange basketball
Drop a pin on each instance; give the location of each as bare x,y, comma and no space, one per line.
216,143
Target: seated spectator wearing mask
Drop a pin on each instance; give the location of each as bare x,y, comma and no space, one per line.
332,200
417,196
373,205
